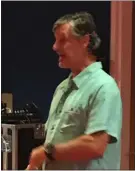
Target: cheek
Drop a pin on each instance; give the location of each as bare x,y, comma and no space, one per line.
67,46
70,49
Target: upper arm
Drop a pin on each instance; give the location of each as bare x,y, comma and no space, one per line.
105,114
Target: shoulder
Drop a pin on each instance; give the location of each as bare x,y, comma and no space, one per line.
105,86
106,82
61,85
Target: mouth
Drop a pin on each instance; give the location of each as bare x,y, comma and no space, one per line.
61,57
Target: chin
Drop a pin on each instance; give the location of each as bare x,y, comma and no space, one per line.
61,65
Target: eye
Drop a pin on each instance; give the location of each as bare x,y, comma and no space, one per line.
62,40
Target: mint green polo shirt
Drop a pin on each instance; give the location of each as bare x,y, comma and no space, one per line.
88,103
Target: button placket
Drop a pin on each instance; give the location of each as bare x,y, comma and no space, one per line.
58,110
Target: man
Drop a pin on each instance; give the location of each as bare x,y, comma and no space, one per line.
84,123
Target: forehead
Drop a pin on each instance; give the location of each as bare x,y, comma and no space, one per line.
63,30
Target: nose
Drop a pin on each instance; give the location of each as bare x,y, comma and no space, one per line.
55,47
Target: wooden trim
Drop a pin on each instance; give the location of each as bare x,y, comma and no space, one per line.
132,122
120,66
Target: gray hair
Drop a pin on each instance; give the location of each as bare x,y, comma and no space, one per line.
82,24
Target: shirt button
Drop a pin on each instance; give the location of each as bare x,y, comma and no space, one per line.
52,128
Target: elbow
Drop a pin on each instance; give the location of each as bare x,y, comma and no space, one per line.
99,152
94,149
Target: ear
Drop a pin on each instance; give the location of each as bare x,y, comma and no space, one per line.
86,40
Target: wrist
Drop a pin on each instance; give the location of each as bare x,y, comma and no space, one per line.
49,151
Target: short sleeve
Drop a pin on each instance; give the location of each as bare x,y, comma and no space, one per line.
105,112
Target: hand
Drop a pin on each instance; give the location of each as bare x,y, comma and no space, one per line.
37,157
30,167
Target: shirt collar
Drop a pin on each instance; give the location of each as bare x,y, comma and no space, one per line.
83,76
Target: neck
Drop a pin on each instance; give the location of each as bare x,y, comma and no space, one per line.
89,60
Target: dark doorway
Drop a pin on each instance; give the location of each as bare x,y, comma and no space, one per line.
29,66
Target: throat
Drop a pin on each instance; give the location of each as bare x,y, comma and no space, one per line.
78,70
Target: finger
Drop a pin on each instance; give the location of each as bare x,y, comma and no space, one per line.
28,167
31,167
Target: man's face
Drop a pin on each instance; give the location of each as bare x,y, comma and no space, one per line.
69,47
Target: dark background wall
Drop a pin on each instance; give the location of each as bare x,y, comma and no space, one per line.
29,66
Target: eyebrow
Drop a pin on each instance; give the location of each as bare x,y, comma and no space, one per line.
62,35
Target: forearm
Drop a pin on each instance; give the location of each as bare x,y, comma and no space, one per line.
81,148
